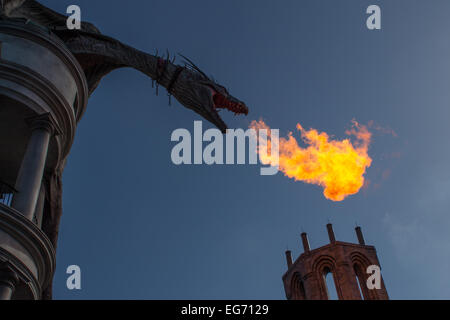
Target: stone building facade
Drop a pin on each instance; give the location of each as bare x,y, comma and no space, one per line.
43,93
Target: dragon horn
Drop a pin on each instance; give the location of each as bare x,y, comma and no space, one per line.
194,66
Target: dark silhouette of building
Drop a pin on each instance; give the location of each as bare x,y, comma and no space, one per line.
43,93
347,263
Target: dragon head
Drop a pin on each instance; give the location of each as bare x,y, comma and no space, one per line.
198,92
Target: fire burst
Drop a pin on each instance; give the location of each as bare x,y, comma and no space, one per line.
337,166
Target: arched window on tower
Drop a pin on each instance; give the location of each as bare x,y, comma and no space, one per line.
298,289
359,287
361,280
330,284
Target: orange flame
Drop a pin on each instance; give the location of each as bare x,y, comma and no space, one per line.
337,166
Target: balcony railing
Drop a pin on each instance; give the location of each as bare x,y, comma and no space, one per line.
6,193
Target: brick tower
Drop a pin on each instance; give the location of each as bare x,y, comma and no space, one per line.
347,262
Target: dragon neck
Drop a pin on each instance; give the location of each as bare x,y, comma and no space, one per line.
98,50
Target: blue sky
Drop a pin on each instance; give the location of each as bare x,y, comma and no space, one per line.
142,228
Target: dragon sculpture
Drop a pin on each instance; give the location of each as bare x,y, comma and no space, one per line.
98,55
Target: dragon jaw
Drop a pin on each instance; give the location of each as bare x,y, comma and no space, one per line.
196,91
221,99
208,100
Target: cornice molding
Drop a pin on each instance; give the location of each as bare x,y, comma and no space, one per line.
46,38
49,94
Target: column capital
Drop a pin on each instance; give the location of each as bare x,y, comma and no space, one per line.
44,121
8,276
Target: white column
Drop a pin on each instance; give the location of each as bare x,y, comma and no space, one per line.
39,211
28,183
